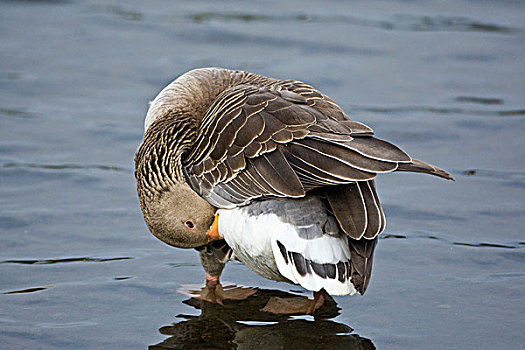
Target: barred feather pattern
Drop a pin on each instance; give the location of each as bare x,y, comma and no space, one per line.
158,162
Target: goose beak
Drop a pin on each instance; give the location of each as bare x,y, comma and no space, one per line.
213,233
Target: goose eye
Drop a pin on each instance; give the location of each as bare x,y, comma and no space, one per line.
189,224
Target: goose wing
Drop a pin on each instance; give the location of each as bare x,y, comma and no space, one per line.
281,141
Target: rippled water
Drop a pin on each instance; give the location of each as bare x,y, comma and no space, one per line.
444,80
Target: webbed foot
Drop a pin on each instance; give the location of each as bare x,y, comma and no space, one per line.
296,305
215,293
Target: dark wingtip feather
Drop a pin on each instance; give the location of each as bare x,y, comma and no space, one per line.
418,166
362,255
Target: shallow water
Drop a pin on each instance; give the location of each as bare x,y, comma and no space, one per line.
444,80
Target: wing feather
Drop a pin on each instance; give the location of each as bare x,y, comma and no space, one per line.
349,208
373,213
349,157
327,163
282,140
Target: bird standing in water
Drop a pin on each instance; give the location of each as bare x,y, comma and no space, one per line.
268,172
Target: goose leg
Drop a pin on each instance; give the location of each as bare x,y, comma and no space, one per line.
213,291
213,267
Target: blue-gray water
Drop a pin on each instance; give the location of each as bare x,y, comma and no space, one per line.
444,80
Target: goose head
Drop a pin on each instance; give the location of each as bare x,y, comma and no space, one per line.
178,216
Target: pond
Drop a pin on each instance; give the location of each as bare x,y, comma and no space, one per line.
443,80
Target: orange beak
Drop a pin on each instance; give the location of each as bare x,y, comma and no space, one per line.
213,233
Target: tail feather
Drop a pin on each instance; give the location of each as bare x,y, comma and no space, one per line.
357,209
418,166
359,214
361,259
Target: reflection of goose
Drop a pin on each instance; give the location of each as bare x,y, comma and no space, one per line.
290,175
240,325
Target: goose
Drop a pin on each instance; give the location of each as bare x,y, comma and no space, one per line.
268,172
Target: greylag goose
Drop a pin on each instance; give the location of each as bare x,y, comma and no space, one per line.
268,172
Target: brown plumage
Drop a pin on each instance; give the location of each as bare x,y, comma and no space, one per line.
217,138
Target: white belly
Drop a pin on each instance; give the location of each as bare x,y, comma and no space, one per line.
290,240
250,238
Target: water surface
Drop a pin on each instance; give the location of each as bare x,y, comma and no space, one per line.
444,80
